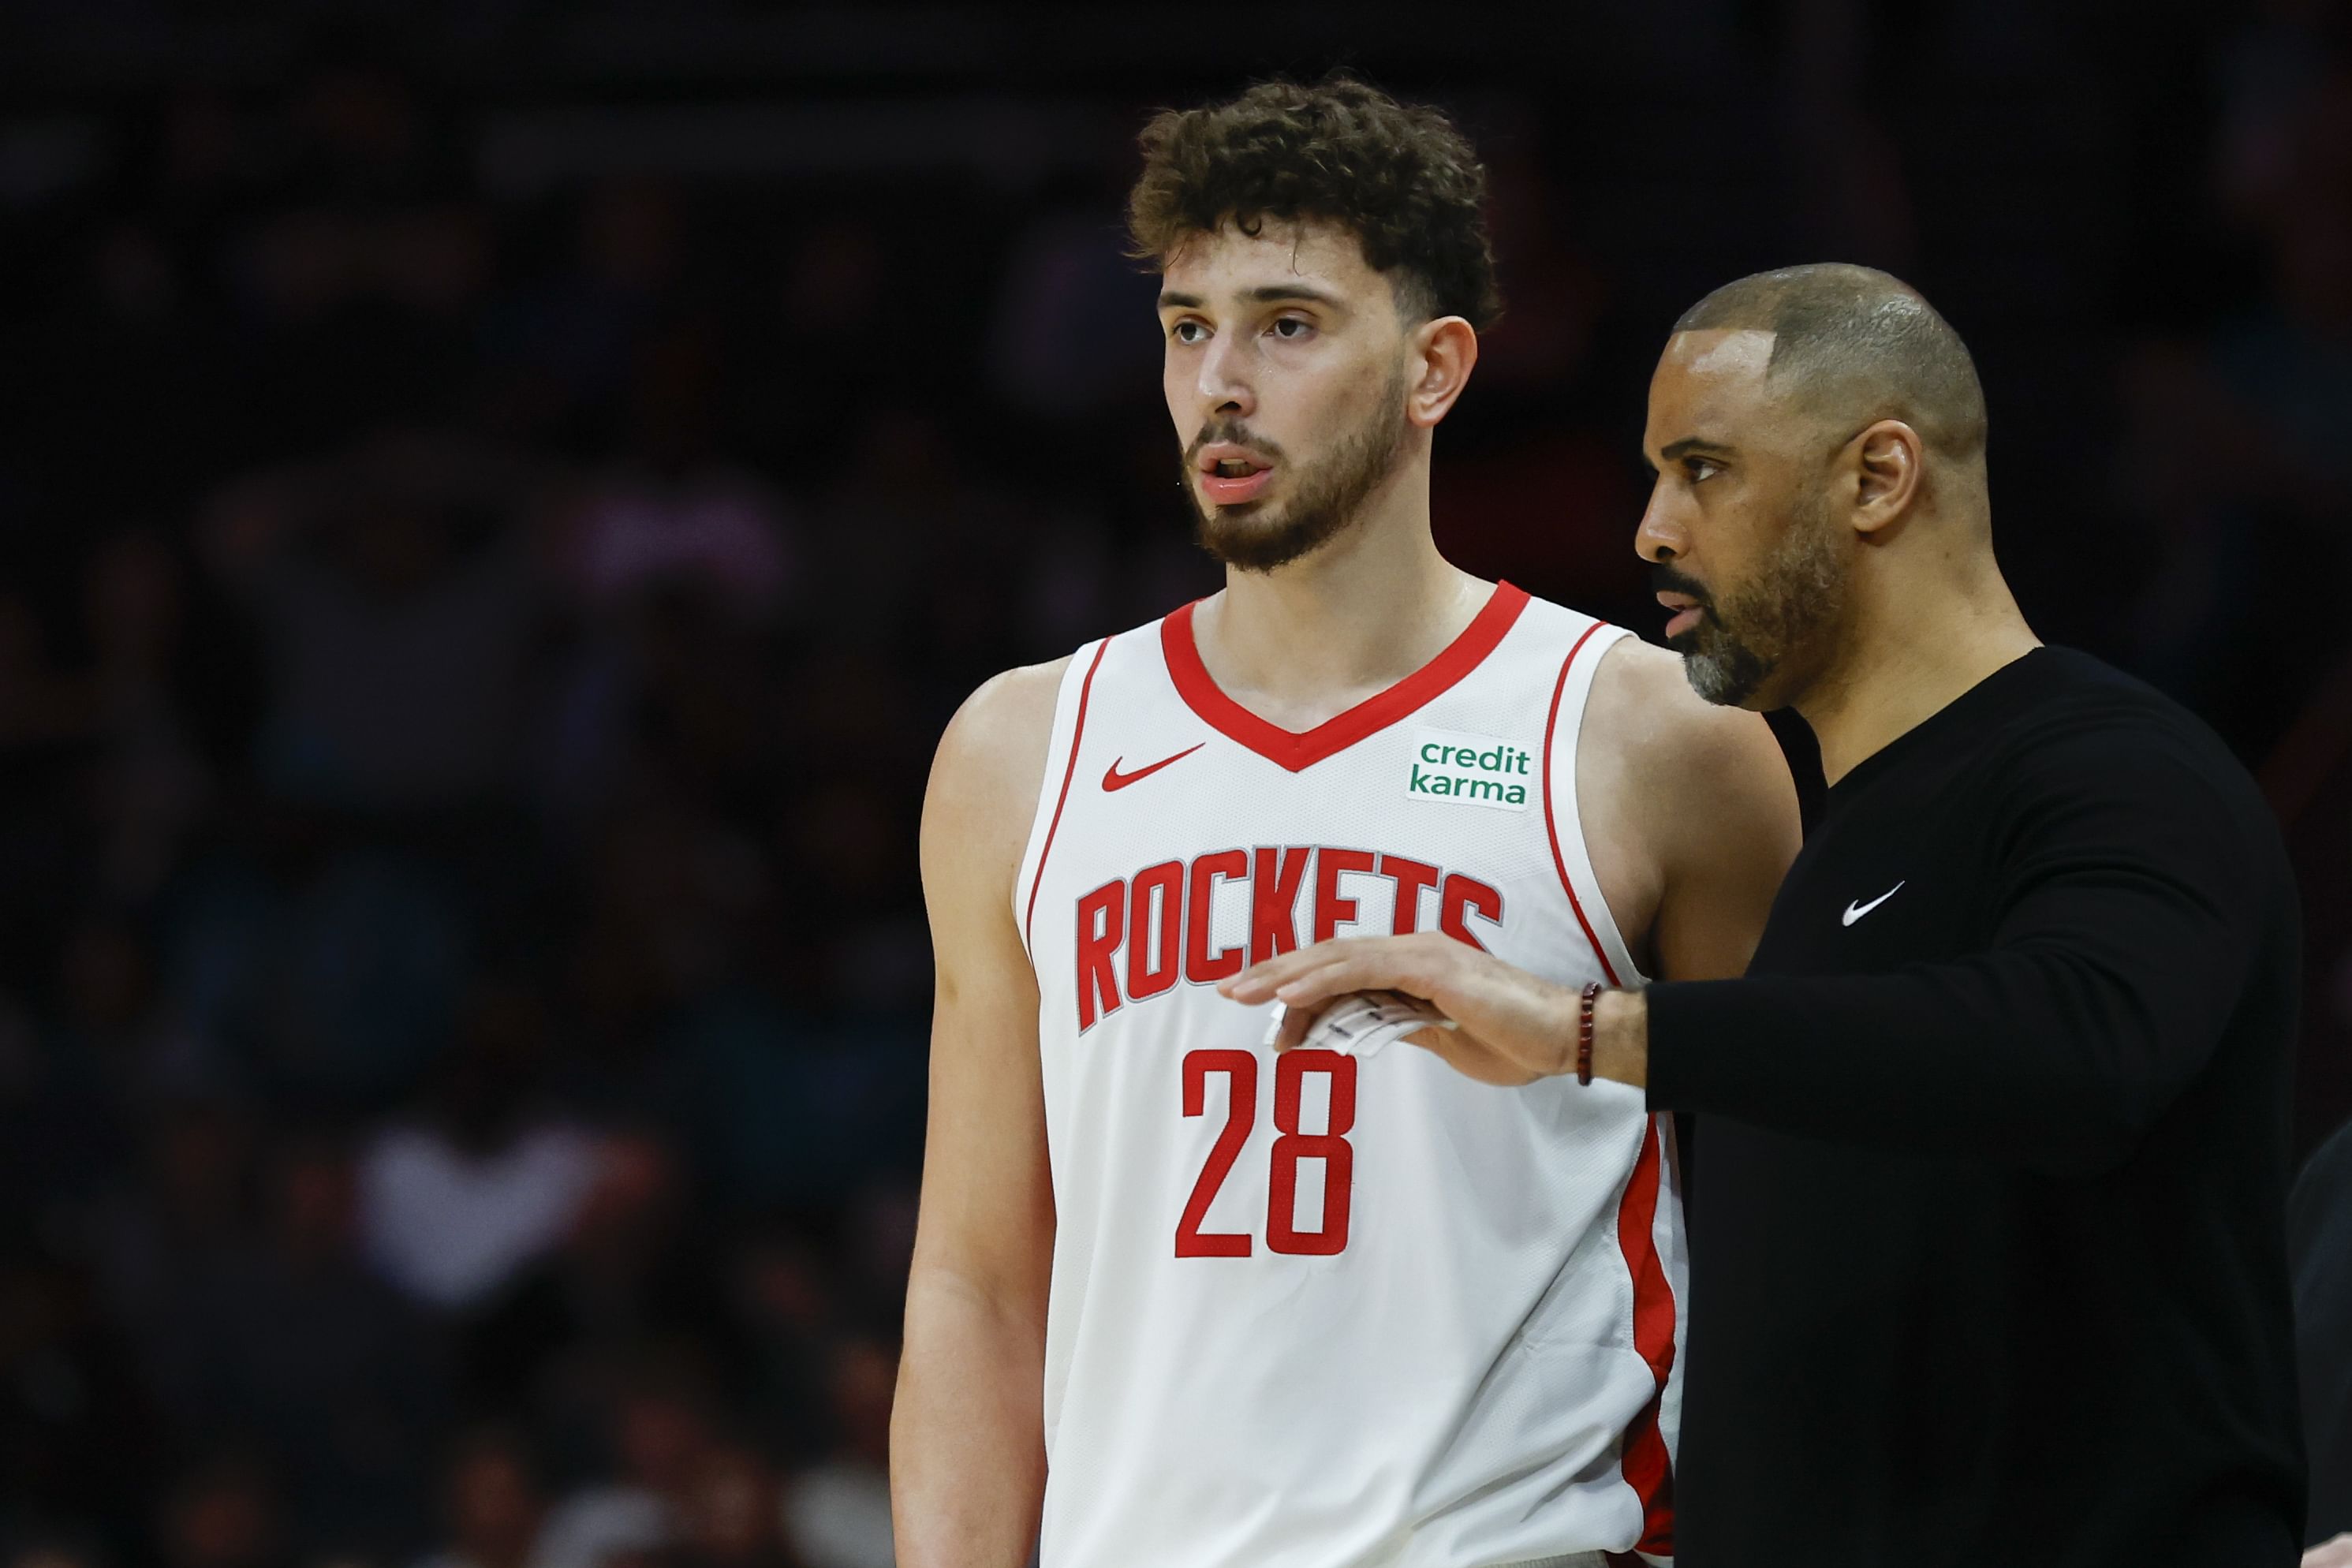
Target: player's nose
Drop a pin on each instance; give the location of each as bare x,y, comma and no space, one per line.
1225,384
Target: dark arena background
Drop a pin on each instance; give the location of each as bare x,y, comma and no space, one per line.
499,500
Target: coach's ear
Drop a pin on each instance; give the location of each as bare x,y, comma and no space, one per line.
1888,458
1438,367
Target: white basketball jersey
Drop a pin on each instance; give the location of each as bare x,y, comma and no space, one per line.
1318,1311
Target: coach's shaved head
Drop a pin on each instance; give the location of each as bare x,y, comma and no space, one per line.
1818,437
1855,344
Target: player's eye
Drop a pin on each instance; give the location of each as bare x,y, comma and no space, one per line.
1190,331
1700,468
1292,328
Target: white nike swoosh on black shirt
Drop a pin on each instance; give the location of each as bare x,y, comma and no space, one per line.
1854,911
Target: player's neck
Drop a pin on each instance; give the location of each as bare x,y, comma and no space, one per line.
1907,657
1301,643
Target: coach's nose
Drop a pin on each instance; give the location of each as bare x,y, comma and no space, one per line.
1661,536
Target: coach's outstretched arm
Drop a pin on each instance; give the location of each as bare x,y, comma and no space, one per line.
2128,913
967,1437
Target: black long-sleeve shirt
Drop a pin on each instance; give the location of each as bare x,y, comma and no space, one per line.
2319,1247
1987,1260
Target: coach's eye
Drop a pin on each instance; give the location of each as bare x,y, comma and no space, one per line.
1700,468
1292,328
1188,332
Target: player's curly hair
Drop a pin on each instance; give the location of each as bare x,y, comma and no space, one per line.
1400,175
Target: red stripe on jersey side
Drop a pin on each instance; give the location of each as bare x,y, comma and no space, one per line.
1078,735
1648,1467
1551,827
1299,750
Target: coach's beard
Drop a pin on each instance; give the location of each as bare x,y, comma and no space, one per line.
1739,645
1258,536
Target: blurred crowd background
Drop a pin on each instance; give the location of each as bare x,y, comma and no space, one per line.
497,500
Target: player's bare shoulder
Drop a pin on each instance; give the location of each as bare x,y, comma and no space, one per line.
987,772
1677,791
1644,710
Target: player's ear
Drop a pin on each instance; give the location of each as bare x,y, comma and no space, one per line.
1887,461
1442,352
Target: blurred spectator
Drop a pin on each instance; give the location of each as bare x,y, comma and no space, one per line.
663,1436
784,1304
172,1234
732,1515
157,779
880,1223
672,511
398,601
491,1504
293,1345
899,500
560,353
76,1443
454,1205
838,1511
68,1550
672,897
2231,452
222,1512
65,1090
633,1271
1072,330
321,975
39,705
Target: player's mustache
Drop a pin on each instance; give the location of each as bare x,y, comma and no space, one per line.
1234,433
1664,579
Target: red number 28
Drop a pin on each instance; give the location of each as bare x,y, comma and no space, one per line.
1331,1146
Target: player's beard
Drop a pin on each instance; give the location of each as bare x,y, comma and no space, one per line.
1326,500
1778,616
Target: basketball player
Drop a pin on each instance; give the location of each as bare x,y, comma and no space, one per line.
1192,1305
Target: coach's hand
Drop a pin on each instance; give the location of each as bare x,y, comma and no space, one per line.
2335,1553
1515,1028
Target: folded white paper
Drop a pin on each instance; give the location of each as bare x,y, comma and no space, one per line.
1362,1022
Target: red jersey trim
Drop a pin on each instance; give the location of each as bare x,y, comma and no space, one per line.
1648,1467
1078,735
1552,824
1298,751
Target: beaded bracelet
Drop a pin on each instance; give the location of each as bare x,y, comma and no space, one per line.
1585,1034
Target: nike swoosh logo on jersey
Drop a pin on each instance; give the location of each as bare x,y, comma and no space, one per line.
1854,911
1113,779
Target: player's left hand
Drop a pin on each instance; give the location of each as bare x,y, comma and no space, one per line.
1515,1028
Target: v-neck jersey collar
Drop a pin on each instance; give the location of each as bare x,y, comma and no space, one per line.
1298,750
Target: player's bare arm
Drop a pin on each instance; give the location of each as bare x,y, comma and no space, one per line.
1703,799
1697,820
967,1441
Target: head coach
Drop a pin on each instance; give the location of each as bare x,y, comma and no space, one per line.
1987,1262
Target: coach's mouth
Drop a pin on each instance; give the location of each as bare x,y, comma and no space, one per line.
1689,612
1230,476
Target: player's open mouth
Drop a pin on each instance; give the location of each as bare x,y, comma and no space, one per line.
1229,477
